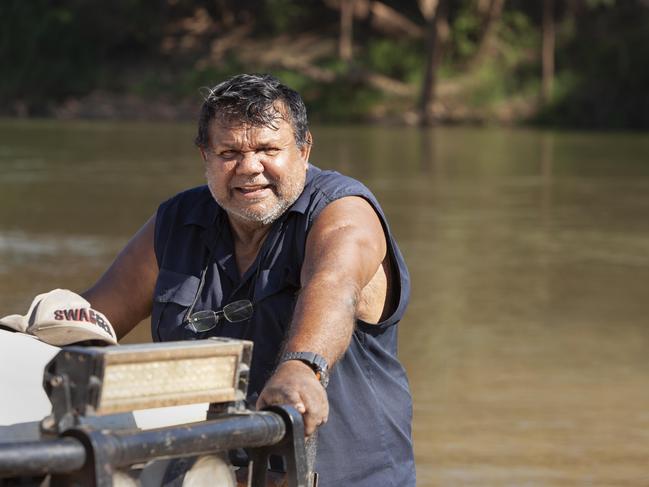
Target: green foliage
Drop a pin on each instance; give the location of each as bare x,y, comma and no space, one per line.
602,79
489,86
399,59
285,14
516,35
297,81
282,16
465,27
510,70
50,50
208,76
340,101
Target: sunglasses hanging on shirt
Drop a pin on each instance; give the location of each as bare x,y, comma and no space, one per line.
207,320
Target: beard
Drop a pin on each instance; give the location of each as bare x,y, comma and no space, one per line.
266,211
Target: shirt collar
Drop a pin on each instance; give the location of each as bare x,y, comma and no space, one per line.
204,209
302,202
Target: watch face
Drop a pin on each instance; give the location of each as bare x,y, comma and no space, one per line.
324,378
320,363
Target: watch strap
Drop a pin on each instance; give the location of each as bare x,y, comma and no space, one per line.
317,363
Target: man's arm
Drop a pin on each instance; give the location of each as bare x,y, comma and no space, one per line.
124,292
344,249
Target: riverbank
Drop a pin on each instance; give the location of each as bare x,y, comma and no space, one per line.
381,84
578,65
449,109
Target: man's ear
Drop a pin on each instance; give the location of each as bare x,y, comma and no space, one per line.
203,153
305,150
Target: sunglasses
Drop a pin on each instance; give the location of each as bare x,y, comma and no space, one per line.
234,312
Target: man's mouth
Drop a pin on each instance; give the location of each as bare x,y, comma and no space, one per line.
253,190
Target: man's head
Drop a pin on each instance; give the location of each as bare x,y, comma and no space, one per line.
255,142
258,100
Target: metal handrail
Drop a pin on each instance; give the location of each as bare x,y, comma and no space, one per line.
97,452
31,458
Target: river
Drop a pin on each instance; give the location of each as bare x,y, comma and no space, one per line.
527,338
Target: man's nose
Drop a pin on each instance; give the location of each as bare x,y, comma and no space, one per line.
250,163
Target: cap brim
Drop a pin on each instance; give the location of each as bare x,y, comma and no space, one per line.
14,322
67,333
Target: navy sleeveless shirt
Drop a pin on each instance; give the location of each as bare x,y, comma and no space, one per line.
367,441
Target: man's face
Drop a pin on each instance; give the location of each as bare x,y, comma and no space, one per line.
254,173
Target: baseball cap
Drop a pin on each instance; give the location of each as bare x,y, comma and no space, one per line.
62,317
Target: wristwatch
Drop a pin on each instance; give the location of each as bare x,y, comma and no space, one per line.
317,362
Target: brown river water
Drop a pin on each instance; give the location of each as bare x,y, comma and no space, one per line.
527,337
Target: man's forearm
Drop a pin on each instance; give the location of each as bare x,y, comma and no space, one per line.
323,320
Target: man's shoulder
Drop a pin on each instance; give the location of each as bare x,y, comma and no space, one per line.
334,185
191,195
325,186
194,205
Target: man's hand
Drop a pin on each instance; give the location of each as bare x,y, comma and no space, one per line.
295,384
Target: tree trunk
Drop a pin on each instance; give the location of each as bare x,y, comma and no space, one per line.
490,16
436,17
346,40
547,54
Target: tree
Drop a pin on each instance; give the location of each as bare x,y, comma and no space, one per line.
434,11
490,12
346,41
547,51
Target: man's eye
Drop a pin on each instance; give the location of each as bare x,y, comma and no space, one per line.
228,154
271,151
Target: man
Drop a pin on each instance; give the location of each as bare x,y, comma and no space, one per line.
311,250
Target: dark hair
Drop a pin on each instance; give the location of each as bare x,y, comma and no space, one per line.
251,99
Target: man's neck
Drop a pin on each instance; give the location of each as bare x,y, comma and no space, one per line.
248,238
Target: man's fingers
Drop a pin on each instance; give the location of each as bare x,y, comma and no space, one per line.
295,384
272,396
310,424
313,412
317,410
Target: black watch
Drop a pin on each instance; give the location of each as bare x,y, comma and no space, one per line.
317,362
